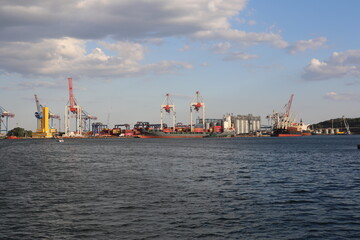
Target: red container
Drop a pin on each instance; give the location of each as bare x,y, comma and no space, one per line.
198,130
218,129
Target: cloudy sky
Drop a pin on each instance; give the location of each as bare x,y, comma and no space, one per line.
125,55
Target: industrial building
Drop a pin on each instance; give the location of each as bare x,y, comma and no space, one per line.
246,124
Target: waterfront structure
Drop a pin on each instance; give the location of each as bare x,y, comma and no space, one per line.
38,115
44,130
245,124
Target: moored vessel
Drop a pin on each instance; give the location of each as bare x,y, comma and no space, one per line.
288,132
161,134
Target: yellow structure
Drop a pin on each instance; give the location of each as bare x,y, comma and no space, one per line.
43,130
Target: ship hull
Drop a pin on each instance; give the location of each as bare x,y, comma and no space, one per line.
148,134
286,133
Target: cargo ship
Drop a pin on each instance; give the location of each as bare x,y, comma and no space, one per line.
284,124
288,132
161,134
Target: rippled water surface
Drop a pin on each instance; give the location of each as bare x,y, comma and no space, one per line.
238,188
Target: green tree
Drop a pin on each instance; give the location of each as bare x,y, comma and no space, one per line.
19,132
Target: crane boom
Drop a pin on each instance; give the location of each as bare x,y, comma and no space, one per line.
38,107
72,99
288,105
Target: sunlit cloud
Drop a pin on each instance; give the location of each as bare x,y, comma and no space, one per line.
339,65
304,45
342,96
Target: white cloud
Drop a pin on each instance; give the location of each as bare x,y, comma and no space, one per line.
242,37
342,96
303,45
51,38
239,56
57,57
337,66
221,47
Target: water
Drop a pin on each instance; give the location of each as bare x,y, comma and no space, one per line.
239,188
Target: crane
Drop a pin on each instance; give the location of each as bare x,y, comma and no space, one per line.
39,114
5,114
76,110
197,104
283,120
346,126
87,117
288,106
169,107
72,109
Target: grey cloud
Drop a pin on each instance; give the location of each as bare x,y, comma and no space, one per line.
125,19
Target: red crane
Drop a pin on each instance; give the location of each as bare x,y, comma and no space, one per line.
72,99
81,115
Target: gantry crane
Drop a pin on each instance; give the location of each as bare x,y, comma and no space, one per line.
74,109
87,120
169,108
5,114
197,104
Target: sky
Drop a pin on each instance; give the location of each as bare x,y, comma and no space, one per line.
244,56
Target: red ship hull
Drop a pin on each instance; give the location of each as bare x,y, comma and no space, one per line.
288,135
172,136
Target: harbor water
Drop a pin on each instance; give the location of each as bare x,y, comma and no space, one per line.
233,188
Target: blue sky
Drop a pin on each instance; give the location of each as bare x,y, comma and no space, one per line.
124,56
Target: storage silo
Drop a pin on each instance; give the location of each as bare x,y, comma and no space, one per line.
258,124
237,126
242,131
246,124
